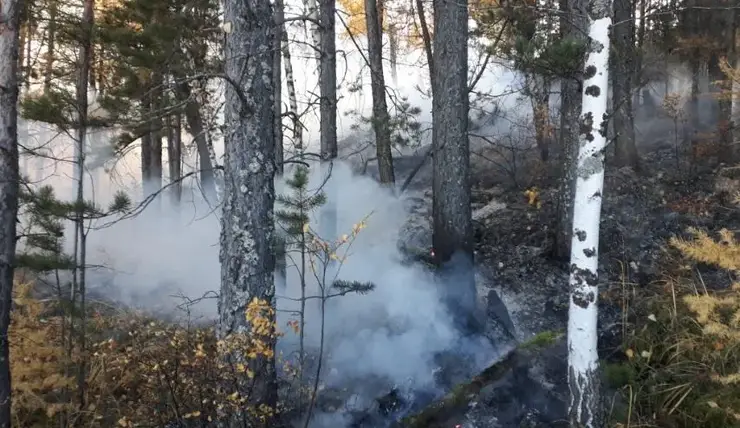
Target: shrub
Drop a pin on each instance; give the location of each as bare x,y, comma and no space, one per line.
141,372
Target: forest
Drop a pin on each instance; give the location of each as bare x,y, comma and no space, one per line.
369,213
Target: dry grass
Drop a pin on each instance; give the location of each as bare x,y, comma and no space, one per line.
682,365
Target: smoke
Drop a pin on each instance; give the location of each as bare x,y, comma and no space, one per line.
392,333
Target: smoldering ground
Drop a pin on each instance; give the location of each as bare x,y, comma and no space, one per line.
392,335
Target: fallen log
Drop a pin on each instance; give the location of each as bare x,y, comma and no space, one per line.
448,411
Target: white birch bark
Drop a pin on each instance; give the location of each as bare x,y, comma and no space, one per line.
292,99
585,407
312,9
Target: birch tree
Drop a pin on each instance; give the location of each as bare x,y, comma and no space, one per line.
247,228
583,378
9,25
452,218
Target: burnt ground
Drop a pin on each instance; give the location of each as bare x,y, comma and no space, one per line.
640,213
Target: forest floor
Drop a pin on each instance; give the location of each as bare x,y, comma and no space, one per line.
640,214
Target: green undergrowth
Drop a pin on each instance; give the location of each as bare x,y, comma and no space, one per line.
681,365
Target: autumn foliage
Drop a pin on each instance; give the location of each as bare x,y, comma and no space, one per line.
142,372
682,364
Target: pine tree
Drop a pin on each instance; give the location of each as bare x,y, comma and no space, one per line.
293,219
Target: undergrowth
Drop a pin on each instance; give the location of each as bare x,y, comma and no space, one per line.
143,372
681,364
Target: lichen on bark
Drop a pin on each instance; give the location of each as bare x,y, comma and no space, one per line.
247,226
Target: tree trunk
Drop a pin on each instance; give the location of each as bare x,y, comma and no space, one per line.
196,126
247,252
297,127
453,227
381,120
393,48
539,93
328,112
427,38
736,107
281,265
278,87
10,19
623,60
85,57
174,157
51,34
312,9
585,407
155,180
725,107
573,26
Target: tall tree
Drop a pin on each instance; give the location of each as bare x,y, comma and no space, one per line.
10,11
85,59
583,376
623,63
453,226
328,109
573,27
51,37
247,251
381,119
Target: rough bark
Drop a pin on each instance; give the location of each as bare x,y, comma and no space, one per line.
585,407
427,38
247,252
381,120
51,32
452,216
9,26
623,60
328,111
573,26
278,86
194,120
281,265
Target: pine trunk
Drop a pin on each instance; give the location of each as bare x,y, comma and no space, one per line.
583,376
51,35
328,113
196,125
247,252
427,38
452,219
381,120
10,22
623,61
572,25
281,266
174,157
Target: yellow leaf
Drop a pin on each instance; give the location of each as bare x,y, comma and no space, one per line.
630,353
305,228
